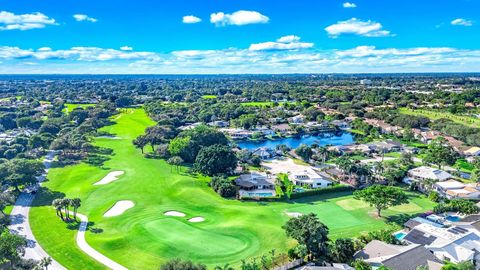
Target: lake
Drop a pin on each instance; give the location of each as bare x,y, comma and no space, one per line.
294,142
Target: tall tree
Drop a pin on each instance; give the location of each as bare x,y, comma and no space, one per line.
215,159
381,197
310,232
440,153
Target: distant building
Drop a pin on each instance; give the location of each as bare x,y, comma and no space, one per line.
365,82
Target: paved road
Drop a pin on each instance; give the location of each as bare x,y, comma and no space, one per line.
20,225
85,247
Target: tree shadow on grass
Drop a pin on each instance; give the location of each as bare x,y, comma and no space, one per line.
75,225
399,219
46,196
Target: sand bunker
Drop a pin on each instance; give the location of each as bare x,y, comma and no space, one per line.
196,219
109,137
174,214
293,214
110,177
118,208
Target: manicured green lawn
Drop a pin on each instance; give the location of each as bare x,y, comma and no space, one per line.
262,103
209,96
70,107
143,238
434,115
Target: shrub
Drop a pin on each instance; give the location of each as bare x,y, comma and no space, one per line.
327,190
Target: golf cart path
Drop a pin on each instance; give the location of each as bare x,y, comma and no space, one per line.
20,225
89,250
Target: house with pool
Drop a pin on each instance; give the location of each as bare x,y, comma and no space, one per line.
255,184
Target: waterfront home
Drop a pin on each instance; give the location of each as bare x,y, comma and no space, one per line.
285,129
378,253
219,124
425,176
265,131
344,149
456,244
453,189
237,133
343,125
264,152
309,177
297,119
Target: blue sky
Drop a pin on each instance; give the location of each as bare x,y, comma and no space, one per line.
239,36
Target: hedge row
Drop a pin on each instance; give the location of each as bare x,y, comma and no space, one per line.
331,189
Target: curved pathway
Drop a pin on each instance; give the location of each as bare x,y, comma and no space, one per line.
19,221
89,250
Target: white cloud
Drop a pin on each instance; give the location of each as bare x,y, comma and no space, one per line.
462,22
241,17
126,48
191,19
290,42
239,60
11,21
83,17
357,27
349,5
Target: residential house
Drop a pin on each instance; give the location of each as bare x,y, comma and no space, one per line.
343,125
310,178
384,127
385,146
264,152
282,128
472,151
378,253
297,119
219,124
425,176
255,182
237,133
455,244
453,189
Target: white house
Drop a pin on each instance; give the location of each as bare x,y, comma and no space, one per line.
452,189
424,175
456,244
308,177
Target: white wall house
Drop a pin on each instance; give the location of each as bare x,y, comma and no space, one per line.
453,189
424,175
309,177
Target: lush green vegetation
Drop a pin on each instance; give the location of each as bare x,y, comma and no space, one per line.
230,232
443,114
69,107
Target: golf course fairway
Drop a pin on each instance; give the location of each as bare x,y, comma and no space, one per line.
142,237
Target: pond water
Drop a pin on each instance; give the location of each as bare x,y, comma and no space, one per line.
294,142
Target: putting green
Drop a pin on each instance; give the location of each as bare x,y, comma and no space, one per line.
143,237
352,204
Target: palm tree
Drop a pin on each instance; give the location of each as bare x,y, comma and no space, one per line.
225,267
58,204
45,262
66,204
323,151
76,203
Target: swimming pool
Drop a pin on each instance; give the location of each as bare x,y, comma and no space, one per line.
400,235
453,218
257,194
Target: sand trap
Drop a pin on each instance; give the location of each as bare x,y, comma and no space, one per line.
110,177
293,214
196,219
118,208
109,137
174,214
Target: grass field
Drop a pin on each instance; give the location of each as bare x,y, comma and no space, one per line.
209,96
70,106
263,103
434,115
143,238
